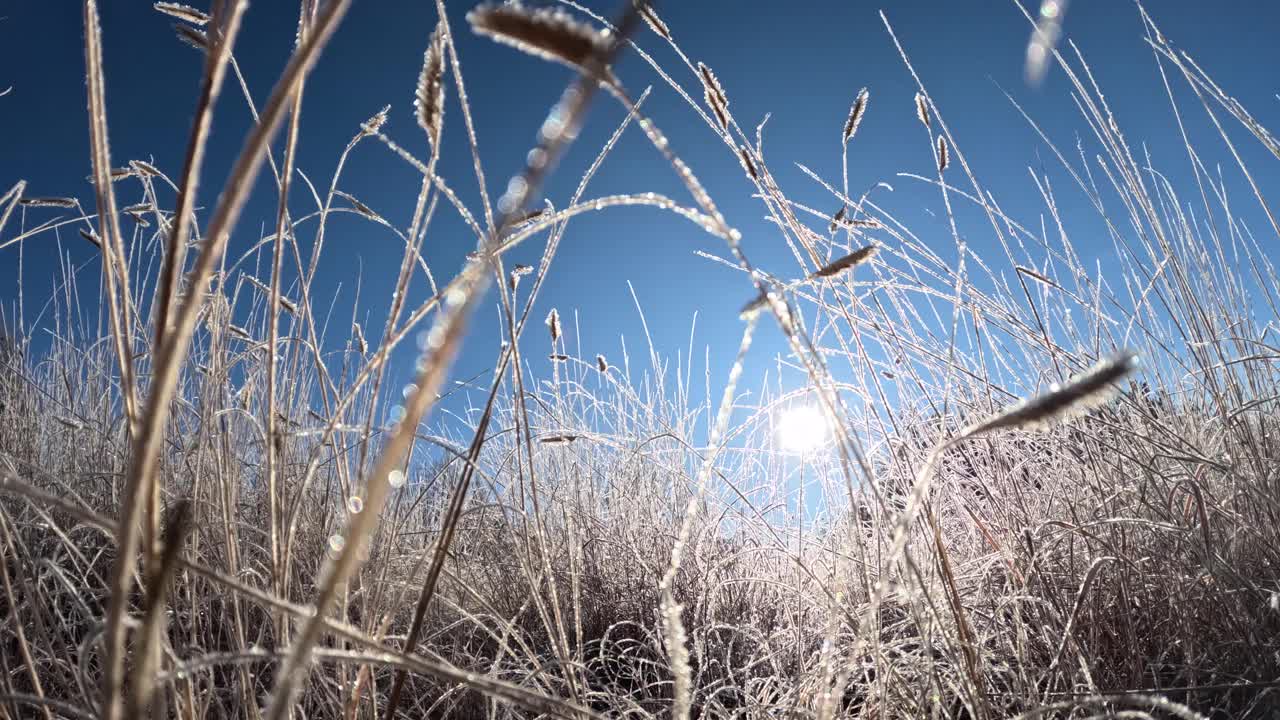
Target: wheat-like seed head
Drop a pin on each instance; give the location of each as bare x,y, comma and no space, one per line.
185,13
944,157
54,202
856,112
69,422
558,357
374,124
197,39
838,219
553,324
361,345
518,272
763,300
922,109
356,205
558,439
289,306
601,364
428,103
852,260
713,92
144,168
549,33
749,165
90,236
1090,389
753,306
531,215
650,17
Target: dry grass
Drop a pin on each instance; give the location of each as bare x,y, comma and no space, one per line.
212,507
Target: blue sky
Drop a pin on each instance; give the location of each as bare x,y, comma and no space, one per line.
801,61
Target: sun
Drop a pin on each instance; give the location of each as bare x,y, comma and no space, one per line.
802,429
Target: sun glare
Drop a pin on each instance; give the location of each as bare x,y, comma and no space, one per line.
802,429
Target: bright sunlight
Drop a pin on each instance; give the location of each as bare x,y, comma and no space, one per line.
802,429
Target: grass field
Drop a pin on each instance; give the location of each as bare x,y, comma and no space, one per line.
1032,491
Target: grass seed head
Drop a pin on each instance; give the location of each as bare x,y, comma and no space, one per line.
197,39
361,345
53,202
186,13
518,272
373,125
1081,393
744,157
91,237
856,111
922,109
838,219
549,33
713,92
558,439
553,324
144,168
651,18
428,103
848,262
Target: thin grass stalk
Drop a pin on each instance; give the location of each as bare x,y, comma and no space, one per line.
1081,393
448,333
449,524
849,449
46,704
306,278
176,530
443,342
673,630
104,191
1145,701
467,121
19,634
226,30
441,39
115,271
273,332
524,466
968,638
146,443
13,197
115,266
559,636
517,695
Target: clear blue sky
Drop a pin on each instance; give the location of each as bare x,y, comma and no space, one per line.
801,61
